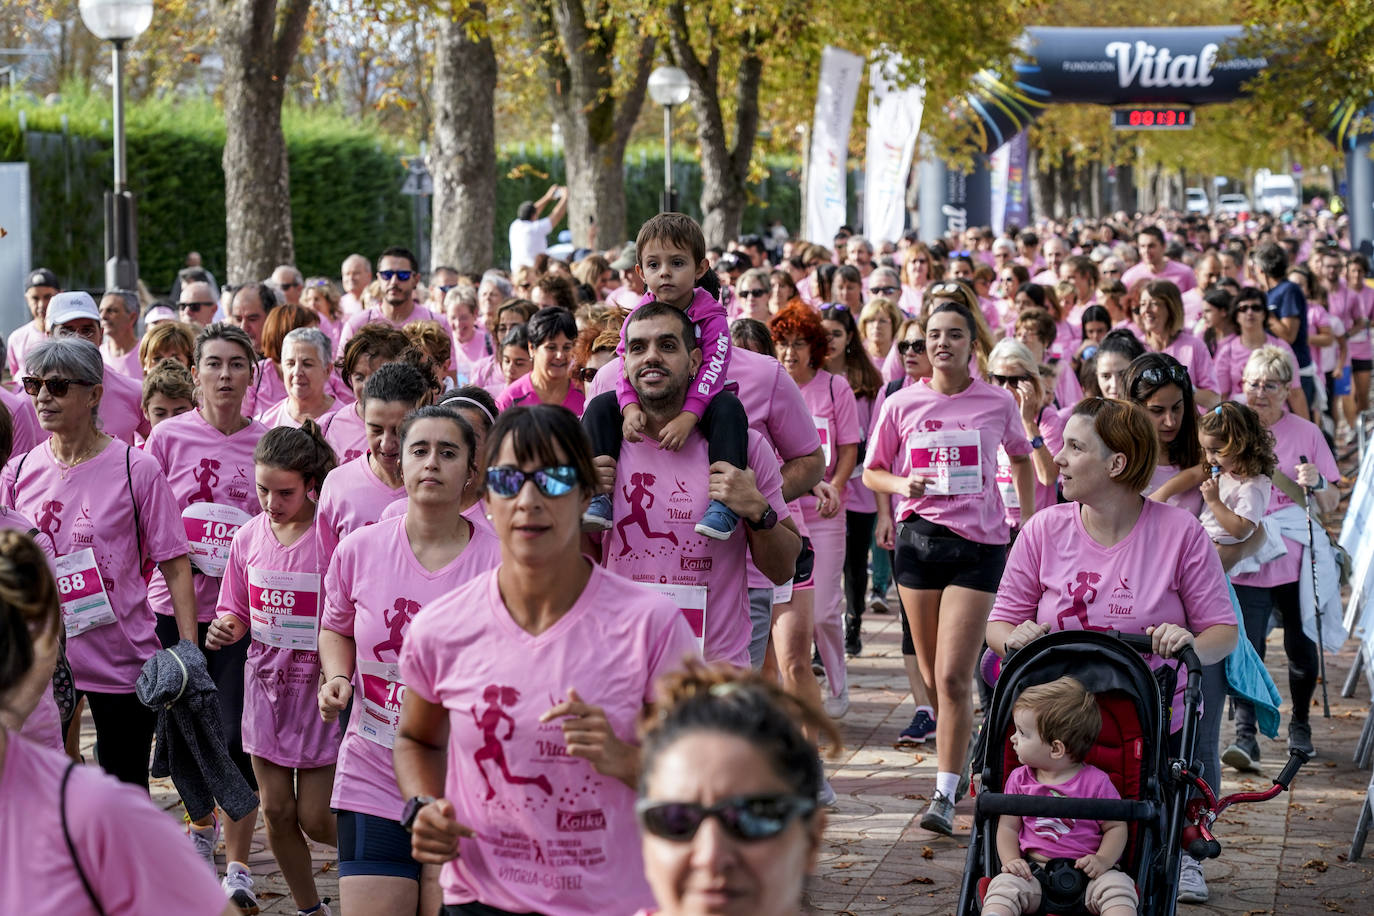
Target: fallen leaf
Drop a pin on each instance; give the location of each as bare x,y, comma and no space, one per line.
927,852
1317,864
920,879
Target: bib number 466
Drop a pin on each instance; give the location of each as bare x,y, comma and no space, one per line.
278,597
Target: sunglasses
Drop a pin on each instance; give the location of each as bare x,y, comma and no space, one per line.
586,375
197,306
402,275
442,289
1252,307
747,818
555,481
753,293
885,290
1009,381
292,285
947,289
911,346
57,387
1175,375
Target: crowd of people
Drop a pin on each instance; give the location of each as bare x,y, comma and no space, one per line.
506,584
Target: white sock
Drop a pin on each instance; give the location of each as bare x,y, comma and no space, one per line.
946,784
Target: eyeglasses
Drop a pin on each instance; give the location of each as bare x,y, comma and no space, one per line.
555,481
57,387
1009,381
753,293
911,346
1168,375
921,260
1249,384
1251,307
586,375
885,290
197,306
747,818
292,285
402,275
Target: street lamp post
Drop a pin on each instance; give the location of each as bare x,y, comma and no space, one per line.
668,86
119,22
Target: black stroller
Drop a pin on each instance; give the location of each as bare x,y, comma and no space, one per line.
1133,749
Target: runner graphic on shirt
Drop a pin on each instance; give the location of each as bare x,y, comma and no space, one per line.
488,723
641,501
207,478
398,619
49,522
1083,594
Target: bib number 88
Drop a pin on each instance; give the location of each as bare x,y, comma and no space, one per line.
278,597
73,583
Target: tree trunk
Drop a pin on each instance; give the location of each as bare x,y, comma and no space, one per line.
258,44
463,164
724,170
580,65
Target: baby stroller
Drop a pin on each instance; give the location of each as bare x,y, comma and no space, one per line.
1133,749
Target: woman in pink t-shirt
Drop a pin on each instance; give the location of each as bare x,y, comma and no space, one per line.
935,448
72,839
1250,311
112,519
552,336
1161,323
1012,366
478,407
380,579
517,739
368,350
305,370
271,586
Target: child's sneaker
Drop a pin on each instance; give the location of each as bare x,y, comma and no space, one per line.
238,886
599,514
719,522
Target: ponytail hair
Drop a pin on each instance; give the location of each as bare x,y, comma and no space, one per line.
28,606
302,450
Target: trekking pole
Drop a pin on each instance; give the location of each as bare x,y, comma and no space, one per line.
1316,595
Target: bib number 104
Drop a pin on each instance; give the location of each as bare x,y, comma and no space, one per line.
219,530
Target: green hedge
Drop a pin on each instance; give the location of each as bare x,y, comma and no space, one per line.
345,184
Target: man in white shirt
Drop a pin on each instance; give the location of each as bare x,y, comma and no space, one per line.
529,235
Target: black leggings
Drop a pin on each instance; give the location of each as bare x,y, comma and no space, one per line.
123,735
858,536
1256,603
724,425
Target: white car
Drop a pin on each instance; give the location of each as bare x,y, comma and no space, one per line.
1233,204
1197,201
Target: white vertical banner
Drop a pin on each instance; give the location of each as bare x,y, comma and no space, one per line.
894,120
841,73
999,164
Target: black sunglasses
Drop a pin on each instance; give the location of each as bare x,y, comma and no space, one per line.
586,375
748,818
1168,375
885,290
402,275
555,481
57,387
1007,381
911,346
1252,307
197,306
753,293
292,285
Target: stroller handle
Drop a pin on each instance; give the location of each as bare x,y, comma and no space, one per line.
1145,646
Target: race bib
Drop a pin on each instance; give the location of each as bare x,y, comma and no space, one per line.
210,529
1005,485
823,430
81,593
951,458
782,593
691,600
284,608
380,717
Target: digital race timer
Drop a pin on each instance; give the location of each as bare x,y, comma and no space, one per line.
1152,118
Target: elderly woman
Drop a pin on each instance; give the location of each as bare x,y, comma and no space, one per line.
1160,316
752,292
1012,366
552,336
306,370
878,323
723,742
1304,458
111,517
487,750
322,297
1249,311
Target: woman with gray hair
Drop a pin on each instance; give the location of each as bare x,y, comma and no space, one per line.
305,368
494,289
101,503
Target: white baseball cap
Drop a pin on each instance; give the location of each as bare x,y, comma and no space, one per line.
70,306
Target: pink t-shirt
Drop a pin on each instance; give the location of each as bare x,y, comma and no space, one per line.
352,497
280,415
1165,571
1248,497
857,497
1294,437
374,590
1192,353
19,344
920,429
1067,389
1055,837
281,714
89,507
551,835
1052,431
136,858
835,416
1351,306
659,498
1232,355
1188,500
475,513
44,724
1181,275
478,346
128,364
347,434
521,393
374,315
27,432
121,408
203,465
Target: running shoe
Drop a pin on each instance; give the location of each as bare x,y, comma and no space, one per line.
599,513
320,909
1192,886
853,636
718,522
939,817
205,839
878,604
837,706
1243,755
238,885
826,796
1300,738
921,728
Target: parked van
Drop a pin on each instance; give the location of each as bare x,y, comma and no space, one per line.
1276,194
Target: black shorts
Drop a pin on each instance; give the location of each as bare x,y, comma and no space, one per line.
931,557
371,845
1361,365
806,566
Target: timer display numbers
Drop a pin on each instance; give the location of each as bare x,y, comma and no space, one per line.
1152,118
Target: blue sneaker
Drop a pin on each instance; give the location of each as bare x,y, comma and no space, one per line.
599,514
719,522
922,727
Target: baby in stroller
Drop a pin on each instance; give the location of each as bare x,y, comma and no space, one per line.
1056,725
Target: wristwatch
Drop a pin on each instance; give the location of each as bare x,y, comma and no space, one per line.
765,522
412,810
1037,442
